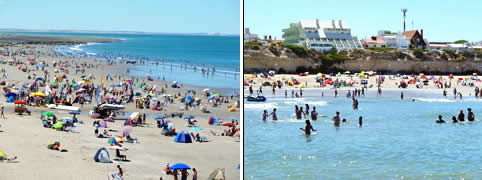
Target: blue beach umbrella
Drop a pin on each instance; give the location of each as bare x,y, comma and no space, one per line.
189,117
179,166
74,112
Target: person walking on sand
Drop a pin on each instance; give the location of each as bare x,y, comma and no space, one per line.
184,174
3,113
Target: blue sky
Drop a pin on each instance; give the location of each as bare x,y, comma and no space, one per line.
170,16
441,20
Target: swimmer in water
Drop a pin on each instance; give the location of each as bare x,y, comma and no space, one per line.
314,114
360,121
440,119
336,119
265,115
344,121
308,128
470,115
299,112
461,116
454,119
273,114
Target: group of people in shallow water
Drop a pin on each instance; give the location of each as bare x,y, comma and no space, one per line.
460,117
336,120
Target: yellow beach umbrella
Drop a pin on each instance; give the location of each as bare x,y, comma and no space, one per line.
38,93
3,156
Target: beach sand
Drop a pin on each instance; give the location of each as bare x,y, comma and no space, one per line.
391,82
24,136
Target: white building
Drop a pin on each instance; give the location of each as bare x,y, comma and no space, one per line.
394,40
321,35
249,37
438,45
460,47
373,42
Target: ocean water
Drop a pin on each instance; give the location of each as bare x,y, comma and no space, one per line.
398,139
174,56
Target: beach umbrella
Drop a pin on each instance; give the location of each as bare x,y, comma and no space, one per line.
3,156
239,166
188,98
229,124
205,90
109,119
67,119
49,114
196,129
59,125
94,115
179,166
114,139
133,115
217,174
189,117
160,117
74,112
148,76
126,130
54,145
117,148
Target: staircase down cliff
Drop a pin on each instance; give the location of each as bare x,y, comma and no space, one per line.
289,60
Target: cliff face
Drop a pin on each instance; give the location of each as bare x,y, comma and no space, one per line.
257,59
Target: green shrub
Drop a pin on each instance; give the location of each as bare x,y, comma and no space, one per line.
419,54
253,43
298,50
460,58
380,48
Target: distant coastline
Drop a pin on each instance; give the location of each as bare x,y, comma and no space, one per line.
115,32
51,39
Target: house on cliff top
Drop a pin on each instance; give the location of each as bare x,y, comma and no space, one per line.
416,39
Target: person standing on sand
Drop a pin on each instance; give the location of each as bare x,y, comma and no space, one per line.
184,174
476,92
3,113
250,90
194,174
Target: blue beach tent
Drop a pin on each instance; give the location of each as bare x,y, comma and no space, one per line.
183,137
102,155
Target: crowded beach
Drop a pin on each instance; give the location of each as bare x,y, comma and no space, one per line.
90,119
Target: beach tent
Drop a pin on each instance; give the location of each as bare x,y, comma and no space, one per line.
232,109
213,120
183,137
11,99
217,174
102,155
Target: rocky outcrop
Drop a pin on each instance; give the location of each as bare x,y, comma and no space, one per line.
258,59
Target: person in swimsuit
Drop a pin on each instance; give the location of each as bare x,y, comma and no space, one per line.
265,115
308,128
461,116
470,115
454,119
336,119
273,115
440,119
360,121
299,112
314,114
307,110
